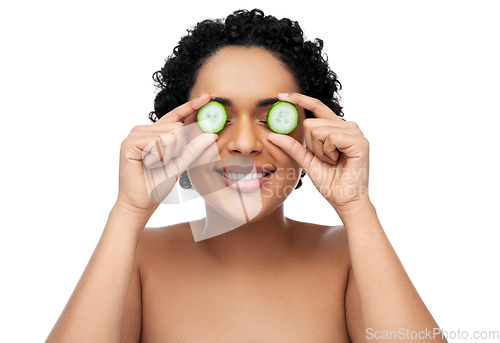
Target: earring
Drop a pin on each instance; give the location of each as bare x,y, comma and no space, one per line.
184,181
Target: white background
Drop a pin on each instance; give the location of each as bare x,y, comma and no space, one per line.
421,79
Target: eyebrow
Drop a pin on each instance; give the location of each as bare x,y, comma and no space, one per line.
261,103
266,102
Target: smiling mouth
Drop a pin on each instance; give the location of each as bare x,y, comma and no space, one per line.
243,177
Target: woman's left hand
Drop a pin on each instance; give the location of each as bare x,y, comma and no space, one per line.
336,158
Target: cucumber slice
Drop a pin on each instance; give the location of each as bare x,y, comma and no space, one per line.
282,117
212,117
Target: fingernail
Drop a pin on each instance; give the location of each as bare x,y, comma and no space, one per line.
282,95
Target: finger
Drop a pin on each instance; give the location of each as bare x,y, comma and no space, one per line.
151,184
174,142
309,140
309,125
158,127
136,147
315,139
295,150
190,153
208,156
322,132
331,154
158,185
319,109
155,165
155,153
158,150
180,113
163,149
355,147
321,122
327,150
318,149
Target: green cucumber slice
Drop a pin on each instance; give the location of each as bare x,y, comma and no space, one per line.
212,117
282,117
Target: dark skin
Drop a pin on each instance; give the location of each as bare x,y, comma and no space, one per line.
188,293
272,279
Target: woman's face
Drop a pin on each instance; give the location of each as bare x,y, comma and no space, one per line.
247,82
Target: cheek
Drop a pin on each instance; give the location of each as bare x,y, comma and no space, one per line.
288,175
298,134
283,183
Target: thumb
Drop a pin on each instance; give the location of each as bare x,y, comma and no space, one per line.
191,152
293,148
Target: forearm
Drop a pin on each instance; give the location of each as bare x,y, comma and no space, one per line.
389,301
95,309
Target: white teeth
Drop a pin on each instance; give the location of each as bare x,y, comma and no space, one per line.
238,177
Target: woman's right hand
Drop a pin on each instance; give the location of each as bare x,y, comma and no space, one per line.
152,158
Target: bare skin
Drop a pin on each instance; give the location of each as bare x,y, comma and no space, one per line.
271,280
191,292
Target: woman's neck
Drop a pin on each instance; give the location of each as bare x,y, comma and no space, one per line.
257,241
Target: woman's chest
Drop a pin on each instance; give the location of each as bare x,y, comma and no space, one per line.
296,301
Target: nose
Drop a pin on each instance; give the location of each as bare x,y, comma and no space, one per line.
244,137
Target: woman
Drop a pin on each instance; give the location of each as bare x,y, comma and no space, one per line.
266,278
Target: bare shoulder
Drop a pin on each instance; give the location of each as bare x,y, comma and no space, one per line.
322,233
154,253
171,233
157,241
322,238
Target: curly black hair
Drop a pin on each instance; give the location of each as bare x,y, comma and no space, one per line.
282,37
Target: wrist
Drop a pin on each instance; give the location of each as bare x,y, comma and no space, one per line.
131,211
354,208
127,221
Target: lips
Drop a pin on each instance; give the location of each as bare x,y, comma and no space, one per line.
244,169
244,185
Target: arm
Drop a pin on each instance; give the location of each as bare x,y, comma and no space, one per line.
336,160
95,309
132,316
151,158
388,301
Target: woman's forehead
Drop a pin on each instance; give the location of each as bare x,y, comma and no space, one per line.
235,72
